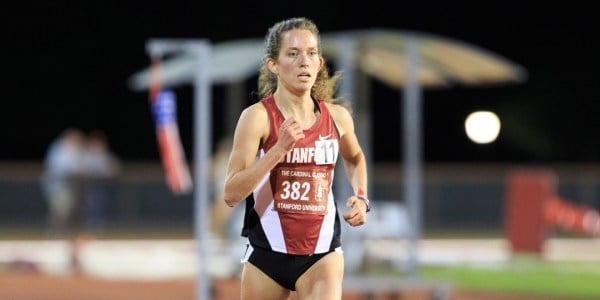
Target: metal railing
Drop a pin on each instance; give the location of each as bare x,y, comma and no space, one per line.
456,196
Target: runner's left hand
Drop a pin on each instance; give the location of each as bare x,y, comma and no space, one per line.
357,215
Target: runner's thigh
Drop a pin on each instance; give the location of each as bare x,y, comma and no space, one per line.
256,285
323,280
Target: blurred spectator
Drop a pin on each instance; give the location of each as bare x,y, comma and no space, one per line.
60,184
100,166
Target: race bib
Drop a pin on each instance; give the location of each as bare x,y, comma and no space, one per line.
302,191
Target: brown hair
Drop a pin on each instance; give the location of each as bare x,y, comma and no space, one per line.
325,85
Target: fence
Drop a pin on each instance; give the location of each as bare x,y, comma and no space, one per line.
457,197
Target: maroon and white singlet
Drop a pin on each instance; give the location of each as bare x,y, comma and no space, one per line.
292,210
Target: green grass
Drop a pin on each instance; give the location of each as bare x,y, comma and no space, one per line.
523,276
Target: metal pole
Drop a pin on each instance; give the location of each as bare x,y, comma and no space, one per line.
202,145
346,48
412,147
202,150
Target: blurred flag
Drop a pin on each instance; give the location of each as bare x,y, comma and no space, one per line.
572,217
164,110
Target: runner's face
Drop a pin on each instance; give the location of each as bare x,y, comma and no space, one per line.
299,60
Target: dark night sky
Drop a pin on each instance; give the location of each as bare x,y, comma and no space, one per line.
67,63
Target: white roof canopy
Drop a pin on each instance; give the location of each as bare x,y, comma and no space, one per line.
379,53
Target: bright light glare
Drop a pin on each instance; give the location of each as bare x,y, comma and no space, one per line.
482,127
